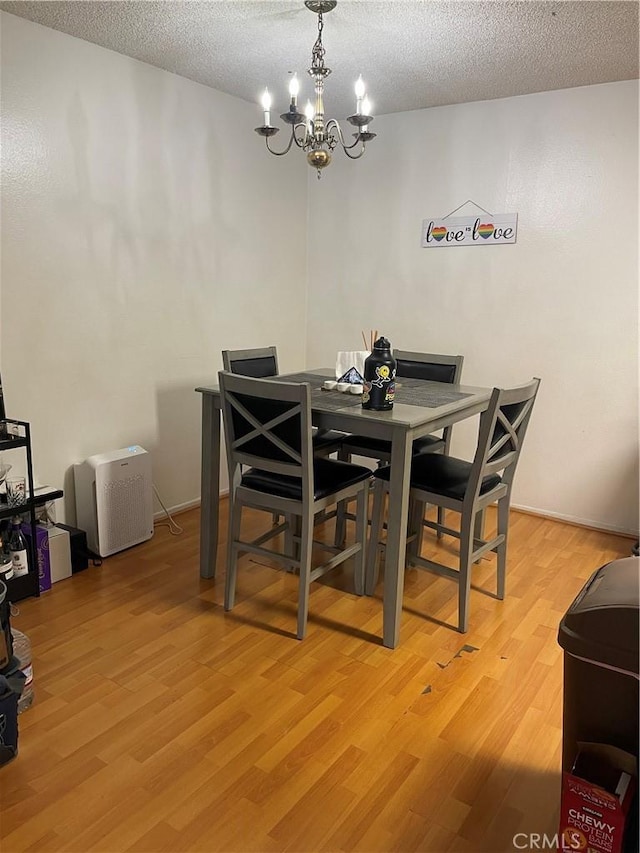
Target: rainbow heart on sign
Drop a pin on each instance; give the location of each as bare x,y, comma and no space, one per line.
438,233
486,229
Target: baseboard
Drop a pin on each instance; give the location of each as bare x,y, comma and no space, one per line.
176,510
526,510
576,522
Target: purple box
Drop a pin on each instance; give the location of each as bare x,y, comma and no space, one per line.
42,549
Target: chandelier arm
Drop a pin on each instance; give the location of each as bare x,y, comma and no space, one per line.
286,150
332,123
300,141
357,156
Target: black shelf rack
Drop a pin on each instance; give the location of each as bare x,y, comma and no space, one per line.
14,435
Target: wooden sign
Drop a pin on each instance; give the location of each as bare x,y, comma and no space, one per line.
487,229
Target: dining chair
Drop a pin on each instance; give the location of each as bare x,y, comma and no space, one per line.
262,363
412,365
466,487
272,468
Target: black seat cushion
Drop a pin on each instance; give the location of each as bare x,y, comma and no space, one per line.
379,446
329,476
426,370
443,475
327,438
262,367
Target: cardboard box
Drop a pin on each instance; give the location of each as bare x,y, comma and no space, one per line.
596,798
42,554
53,553
59,554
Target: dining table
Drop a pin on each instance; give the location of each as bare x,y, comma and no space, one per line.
420,407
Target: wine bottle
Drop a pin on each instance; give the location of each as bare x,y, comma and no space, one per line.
18,549
6,565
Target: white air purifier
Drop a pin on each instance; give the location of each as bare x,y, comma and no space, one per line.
114,499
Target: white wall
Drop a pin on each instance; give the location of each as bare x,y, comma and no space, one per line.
561,304
144,229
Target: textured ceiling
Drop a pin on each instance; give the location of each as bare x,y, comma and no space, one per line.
412,54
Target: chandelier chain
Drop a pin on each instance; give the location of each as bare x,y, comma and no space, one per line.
317,61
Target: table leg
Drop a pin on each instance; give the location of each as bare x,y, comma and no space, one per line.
395,554
209,487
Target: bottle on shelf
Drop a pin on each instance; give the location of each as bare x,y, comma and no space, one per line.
18,549
6,571
6,564
22,650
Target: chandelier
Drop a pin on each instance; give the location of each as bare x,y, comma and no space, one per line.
309,130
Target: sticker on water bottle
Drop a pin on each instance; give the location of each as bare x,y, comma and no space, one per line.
384,374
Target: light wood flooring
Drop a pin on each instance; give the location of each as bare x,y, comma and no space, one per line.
163,724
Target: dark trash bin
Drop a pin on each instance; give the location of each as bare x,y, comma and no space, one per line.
600,637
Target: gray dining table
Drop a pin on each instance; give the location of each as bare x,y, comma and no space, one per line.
420,407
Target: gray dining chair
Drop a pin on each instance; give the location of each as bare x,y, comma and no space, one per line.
412,365
262,363
272,468
466,487
259,362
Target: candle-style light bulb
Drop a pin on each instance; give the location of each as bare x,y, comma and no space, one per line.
359,94
366,110
309,113
266,106
294,88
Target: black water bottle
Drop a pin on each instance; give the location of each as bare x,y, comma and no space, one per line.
379,377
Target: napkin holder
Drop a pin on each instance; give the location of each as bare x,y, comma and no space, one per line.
350,366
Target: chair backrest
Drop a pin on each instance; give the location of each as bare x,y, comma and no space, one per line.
502,430
268,426
259,363
426,365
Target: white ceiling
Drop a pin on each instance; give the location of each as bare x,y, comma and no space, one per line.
411,53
